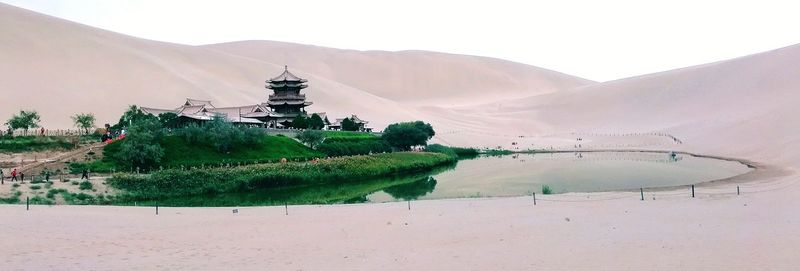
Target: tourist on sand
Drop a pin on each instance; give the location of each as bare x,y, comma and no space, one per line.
46,174
14,175
85,174
22,177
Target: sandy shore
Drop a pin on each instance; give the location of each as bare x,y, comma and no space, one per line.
718,230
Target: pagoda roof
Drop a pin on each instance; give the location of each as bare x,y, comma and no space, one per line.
195,102
288,102
286,76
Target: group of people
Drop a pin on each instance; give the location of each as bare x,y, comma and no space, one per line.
46,173
13,176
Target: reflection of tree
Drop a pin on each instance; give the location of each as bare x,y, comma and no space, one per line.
412,190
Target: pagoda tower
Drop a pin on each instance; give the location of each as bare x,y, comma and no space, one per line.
286,101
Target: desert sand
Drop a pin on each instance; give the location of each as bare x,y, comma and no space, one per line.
742,108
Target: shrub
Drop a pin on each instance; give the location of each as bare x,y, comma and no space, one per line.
35,187
441,149
546,190
168,183
140,147
85,185
310,137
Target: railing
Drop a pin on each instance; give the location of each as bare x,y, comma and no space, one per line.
288,96
54,132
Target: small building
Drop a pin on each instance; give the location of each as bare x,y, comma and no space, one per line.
197,111
362,124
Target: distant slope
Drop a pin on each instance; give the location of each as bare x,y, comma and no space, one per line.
414,77
746,105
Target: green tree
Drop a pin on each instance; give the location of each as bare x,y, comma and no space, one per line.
349,125
425,127
312,138
133,114
405,135
316,122
222,134
168,120
84,121
300,122
140,147
24,120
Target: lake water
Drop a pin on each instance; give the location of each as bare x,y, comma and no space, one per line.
507,175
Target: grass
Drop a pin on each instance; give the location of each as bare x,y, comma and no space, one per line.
35,187
347,134
36,143
11,200
547,190
461,153
270,149
172,183
177,153
75,198
75,183
85,185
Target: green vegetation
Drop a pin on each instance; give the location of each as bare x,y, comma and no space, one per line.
347,134
405,135
300,122
404,187
349,125
84,121
85,185
546,190
74,198
344,146
140,148
311,138
36,143
220,134
169,120
315,122
169,183
178,152
24,120
75,183
35,187
11,200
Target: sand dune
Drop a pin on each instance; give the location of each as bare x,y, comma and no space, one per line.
59,68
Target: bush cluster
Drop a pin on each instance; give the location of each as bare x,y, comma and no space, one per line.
353,146
168,183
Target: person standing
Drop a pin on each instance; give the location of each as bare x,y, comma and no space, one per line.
14,175
22,177
85,174
2,177
46,174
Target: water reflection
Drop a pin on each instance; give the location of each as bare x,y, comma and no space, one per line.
505,175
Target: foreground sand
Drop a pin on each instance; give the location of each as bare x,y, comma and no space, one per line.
716,231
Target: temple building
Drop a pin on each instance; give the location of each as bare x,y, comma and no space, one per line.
286,101
282,106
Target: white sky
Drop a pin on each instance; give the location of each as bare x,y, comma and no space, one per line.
598,40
